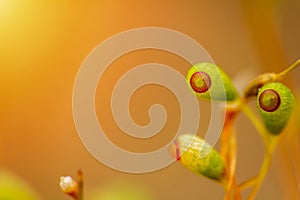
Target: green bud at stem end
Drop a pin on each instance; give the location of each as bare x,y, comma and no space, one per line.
198,156
275,103
208,81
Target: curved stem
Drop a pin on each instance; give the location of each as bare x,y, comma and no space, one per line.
80,184
282,74
252,89
264,169
228,152
232,166
249,183
260,177
258,125
269,143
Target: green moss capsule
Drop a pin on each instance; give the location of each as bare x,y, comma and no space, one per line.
275,103
198,156
208,81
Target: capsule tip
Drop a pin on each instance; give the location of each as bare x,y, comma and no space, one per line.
174,150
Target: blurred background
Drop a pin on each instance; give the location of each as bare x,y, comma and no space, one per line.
43,43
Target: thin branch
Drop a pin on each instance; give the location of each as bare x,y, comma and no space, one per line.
282,74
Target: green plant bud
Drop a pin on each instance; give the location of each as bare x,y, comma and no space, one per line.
198,156
208,81
275,103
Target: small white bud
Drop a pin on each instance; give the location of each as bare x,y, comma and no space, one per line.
68,185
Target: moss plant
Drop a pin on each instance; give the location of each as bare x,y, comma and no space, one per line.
275,103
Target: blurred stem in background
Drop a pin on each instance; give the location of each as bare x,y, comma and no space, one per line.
261,18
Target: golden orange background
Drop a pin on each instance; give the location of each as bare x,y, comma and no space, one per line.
43,43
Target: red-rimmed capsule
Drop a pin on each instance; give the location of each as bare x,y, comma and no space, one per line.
269,100
208,81
275,103
200,82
